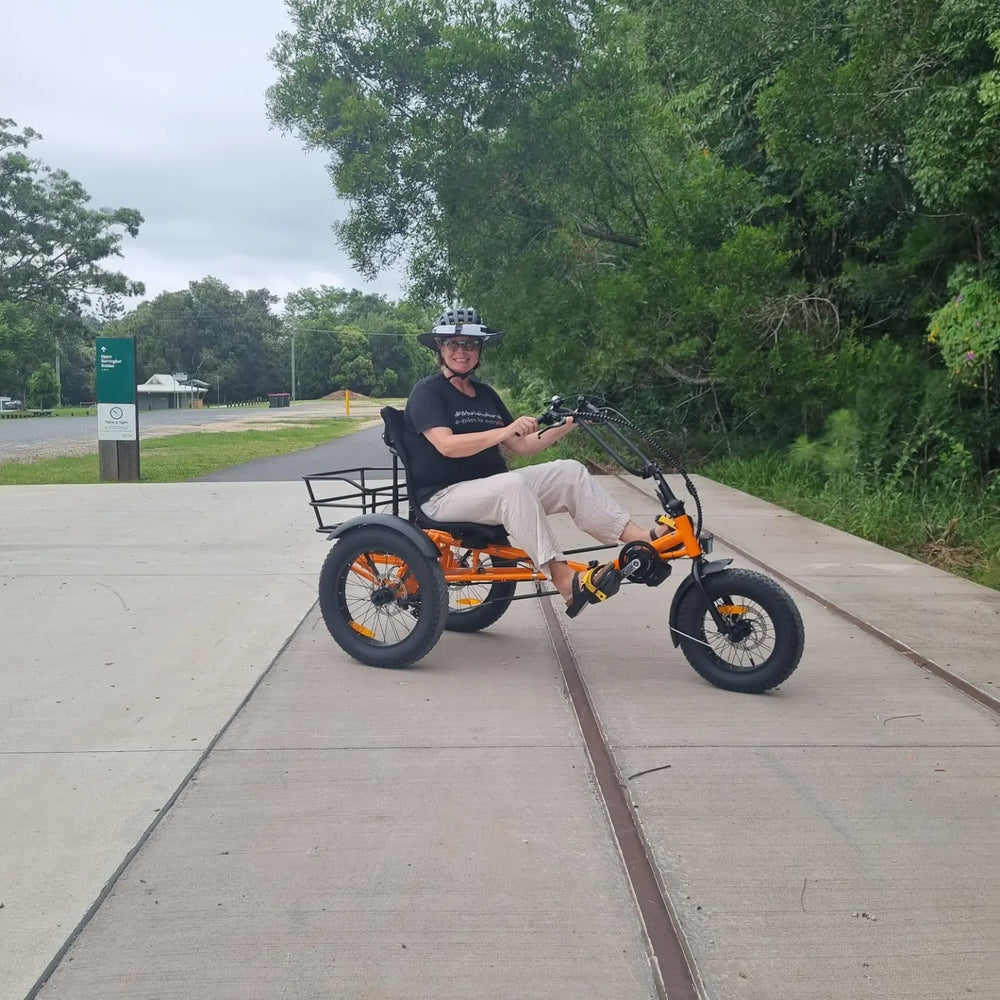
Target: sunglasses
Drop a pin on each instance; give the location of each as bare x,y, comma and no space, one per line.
461,345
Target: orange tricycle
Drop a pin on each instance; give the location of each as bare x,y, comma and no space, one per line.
396,578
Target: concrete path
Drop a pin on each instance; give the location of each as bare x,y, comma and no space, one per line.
357,833
839,837
134,620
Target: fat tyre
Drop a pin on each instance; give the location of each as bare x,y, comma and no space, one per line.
383,601
766,649
493,600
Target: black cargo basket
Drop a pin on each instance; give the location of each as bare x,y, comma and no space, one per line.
336,497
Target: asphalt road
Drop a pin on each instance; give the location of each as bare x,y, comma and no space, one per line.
25,440
365,448
22,437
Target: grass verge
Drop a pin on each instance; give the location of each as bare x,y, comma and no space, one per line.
955,528
180,457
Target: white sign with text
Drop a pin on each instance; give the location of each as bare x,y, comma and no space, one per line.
116,422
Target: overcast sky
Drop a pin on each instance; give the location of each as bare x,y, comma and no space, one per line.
160,107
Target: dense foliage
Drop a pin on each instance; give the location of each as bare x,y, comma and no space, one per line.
238,344
56,297
740,219
356,341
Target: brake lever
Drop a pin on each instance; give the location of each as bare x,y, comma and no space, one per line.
552,425
549,420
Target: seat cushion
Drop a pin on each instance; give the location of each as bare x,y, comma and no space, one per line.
470,535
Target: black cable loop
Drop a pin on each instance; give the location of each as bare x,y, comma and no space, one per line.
613,416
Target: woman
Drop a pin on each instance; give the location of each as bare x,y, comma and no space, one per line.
455,427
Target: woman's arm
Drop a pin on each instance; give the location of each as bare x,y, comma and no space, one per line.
532,443
453,445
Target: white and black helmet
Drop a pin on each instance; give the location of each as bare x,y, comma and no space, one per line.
464,321
457,317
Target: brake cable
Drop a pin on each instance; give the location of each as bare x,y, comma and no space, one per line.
610,414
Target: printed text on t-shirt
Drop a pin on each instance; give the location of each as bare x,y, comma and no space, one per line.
465,417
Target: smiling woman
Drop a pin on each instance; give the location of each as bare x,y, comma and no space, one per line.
455,432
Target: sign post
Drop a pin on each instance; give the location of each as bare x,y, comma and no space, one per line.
117,410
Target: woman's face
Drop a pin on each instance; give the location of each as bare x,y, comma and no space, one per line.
460,354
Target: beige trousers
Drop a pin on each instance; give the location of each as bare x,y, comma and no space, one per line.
521,499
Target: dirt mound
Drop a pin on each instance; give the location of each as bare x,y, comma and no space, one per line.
339,394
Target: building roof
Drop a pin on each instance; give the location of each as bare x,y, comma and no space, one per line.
167,384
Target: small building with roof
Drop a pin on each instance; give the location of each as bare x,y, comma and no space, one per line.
171,392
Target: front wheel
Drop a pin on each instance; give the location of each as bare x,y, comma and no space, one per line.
762,643
382,599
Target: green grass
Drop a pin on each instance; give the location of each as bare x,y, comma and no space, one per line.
180,457
956,528
74,411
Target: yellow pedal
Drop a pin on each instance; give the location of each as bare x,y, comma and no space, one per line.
606,587
361,630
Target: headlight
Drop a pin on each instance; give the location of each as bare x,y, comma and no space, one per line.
707,541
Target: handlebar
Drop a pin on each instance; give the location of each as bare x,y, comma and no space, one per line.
621,448
557,413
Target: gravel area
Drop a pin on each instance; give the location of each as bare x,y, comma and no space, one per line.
31,438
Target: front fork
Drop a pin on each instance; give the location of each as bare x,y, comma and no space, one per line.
700,568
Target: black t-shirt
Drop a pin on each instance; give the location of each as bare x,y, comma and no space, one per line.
435,402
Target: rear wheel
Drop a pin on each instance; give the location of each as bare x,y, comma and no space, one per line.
382,599
476,605
763,640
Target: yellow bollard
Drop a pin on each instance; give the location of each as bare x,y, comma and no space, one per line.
347,402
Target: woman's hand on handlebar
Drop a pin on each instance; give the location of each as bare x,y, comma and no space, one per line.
535,439
522,427
563,421
559,414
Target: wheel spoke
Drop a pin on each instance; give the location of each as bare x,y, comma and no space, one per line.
760,640
464,596
753,640
372,598
477,601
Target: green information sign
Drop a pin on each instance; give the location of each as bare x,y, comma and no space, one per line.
116,393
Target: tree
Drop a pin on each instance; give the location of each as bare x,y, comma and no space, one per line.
524,154
15,339
229,339
51,243
43,387
726,214
347,339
